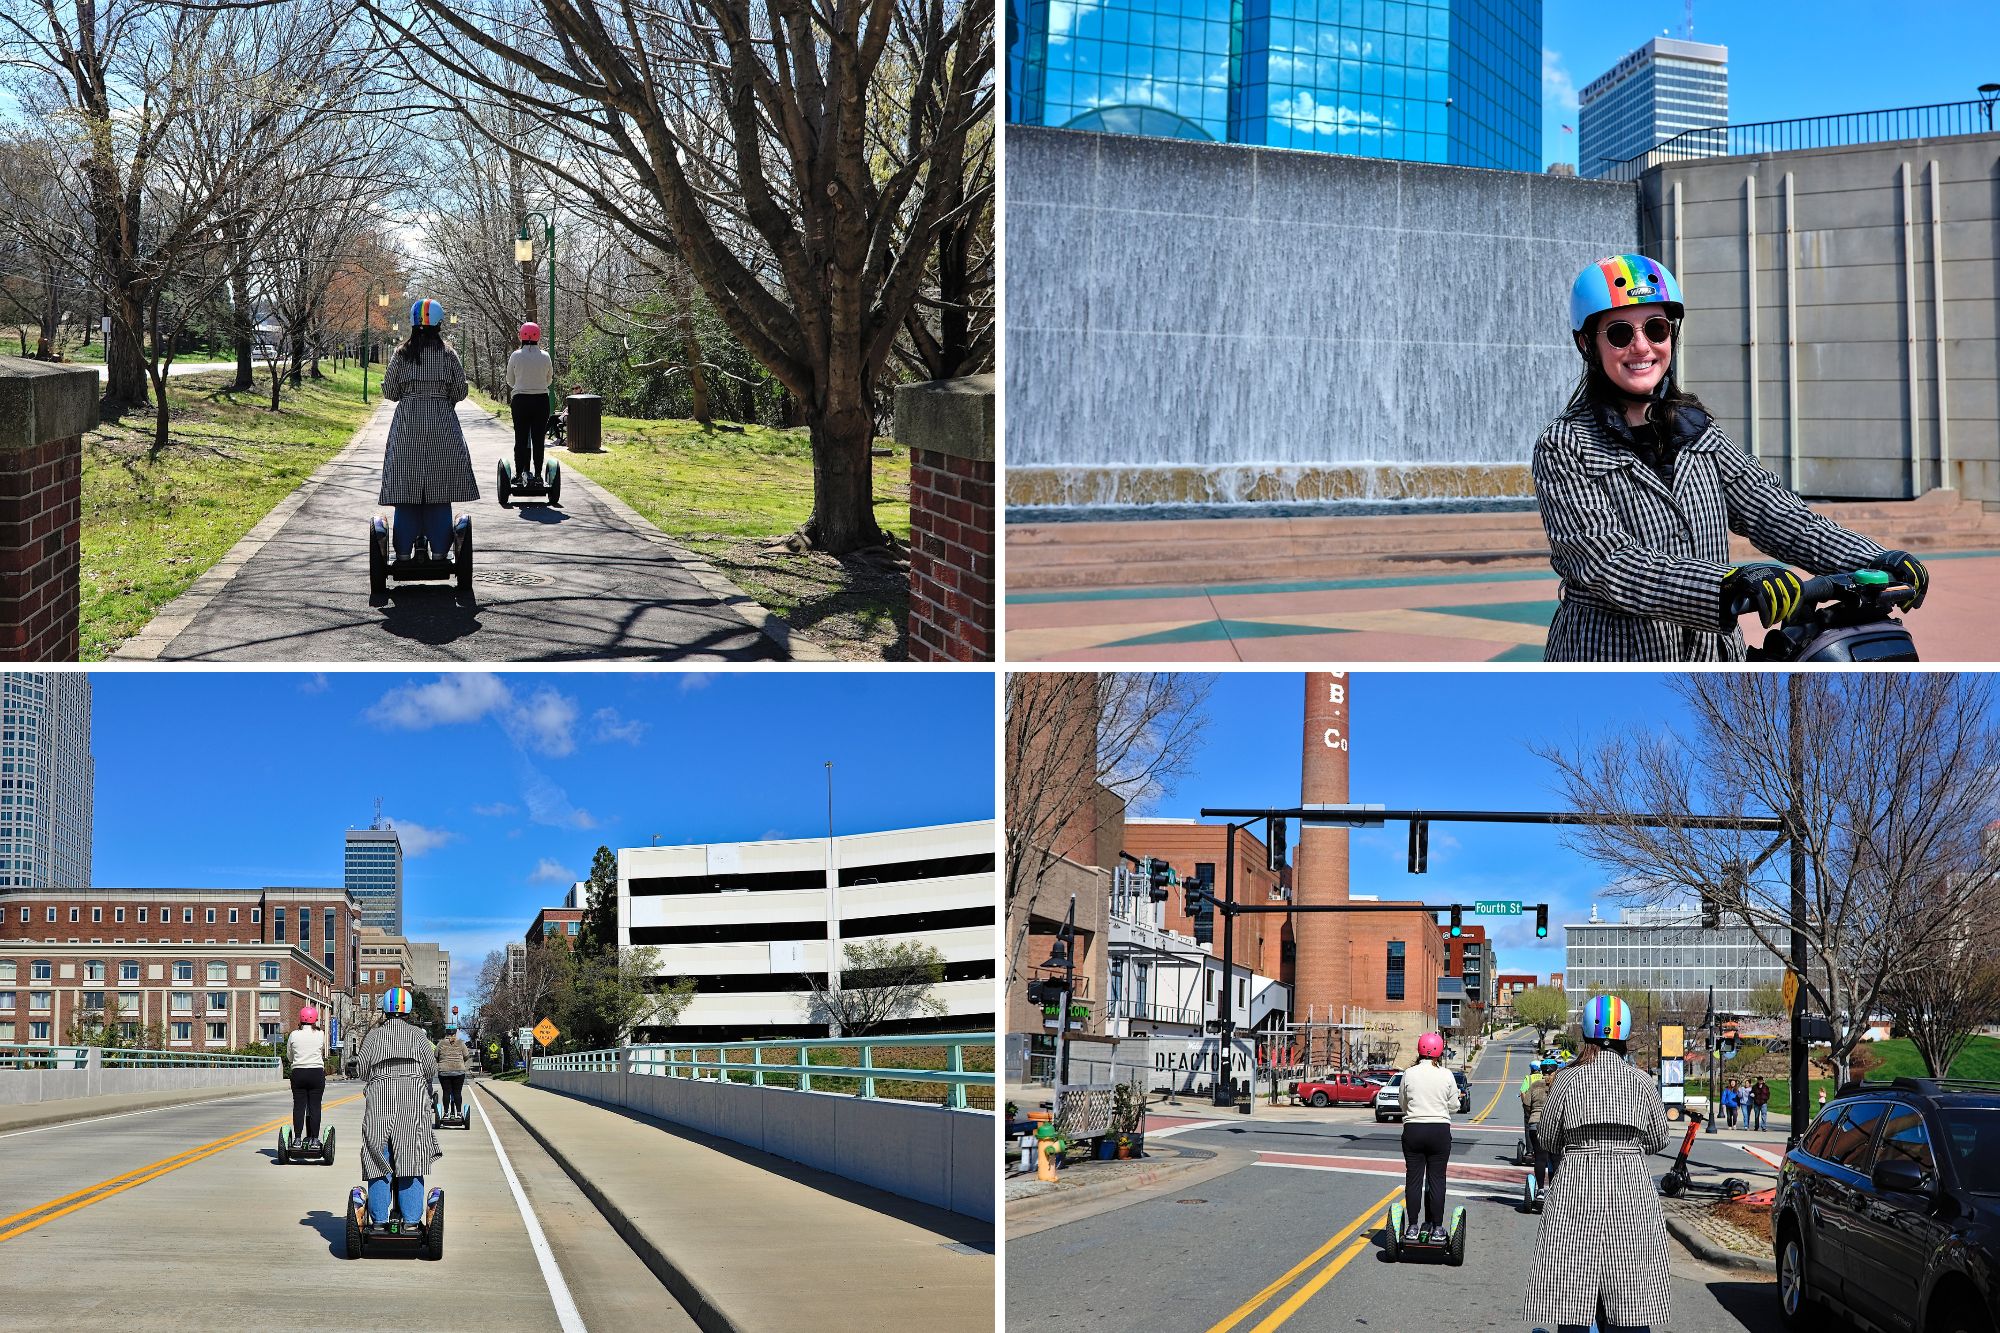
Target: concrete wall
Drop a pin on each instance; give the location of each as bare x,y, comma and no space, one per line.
1252,313
22,1087
1851,271
931,1154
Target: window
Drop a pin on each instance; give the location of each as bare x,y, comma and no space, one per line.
93,971
572,927
217,972
183,1002
73,915
1854,1137
41,970
52,914
97,914
8,969
142,916
218,1002
270,1033
268,1003
270,972
278,917
6,1000
118,914
38,1032
1395,976
218,1032
128,971
40,999
367,1000
305,925
182,1031
256,915
211,916
187,916
128,1002
1904,1139
183,971
232,916
24,915
93,1000
7,1031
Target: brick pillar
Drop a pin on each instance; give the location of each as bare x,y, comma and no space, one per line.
948,427
1323,967
44,412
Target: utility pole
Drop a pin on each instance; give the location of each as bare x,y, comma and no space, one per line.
1224,1092
1794,820
832,915
1714,1097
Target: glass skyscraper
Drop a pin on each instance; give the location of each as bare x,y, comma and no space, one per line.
1664,88
1453,81
47,780
375,876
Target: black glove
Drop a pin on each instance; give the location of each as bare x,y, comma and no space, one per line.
1904,566
1771,590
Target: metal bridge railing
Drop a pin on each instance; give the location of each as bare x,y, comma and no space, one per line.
749,1062
1936,121
80,1057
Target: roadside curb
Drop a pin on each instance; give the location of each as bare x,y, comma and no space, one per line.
699,1304
194,1096
1042,1206
1708,1251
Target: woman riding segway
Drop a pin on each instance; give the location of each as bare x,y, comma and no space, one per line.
1430,1095
1601,1254
1639,491
427,467
306,1047
398,1146
452,1063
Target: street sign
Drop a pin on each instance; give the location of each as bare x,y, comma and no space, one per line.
545,1032
1673,1041
1497,907
1791,990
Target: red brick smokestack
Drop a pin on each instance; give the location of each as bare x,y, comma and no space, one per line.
1323,971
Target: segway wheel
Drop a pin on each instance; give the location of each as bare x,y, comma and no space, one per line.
281,1147
357,1242
1455,1252
506,483
462,554
555,482
1395,1237
434,1228
1529,1193
326,1148
378,557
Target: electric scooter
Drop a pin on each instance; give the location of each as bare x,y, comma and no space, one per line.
546,487
1841,618
424,1234
1452,1247
305,1150
1676,1181
441,1120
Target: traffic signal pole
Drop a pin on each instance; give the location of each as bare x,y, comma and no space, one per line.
1801,1100
1224,1093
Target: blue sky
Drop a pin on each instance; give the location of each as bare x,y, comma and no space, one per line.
1437,740
1786,59
504,785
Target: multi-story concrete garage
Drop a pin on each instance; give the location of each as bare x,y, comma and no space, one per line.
750,921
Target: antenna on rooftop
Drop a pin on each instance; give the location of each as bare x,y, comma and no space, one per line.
378,814
1690,20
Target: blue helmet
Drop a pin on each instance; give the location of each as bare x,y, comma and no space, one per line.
1621,280
1607,1018
425,312
397,1000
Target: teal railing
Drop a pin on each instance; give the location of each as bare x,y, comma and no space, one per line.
751,1066
79,1057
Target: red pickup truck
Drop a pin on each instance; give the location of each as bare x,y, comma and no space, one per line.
1339,1089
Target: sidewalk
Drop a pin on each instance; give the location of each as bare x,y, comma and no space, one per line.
749,1241
588,581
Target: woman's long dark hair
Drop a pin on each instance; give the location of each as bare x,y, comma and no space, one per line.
1594,387
421,336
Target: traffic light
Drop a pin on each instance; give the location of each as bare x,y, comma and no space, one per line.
1711,910
1420,847
1204,923
1160,876
1191,897
1274,843
1542,922
1457,920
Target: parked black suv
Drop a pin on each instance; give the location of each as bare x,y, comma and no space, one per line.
1888,1210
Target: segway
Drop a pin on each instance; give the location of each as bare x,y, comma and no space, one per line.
424,565
1676,1181
1841,618
439,1120
425,1235
305,1150
546,487
1452,1247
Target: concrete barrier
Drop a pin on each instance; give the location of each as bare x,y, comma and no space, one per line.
24,1087
932,1154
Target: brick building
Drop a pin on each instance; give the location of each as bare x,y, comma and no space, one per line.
564,921
1506,985
217,968
1469,959
1262,940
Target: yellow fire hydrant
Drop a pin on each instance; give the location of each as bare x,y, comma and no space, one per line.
1048,1152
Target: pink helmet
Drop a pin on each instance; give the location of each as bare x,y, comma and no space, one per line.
1430,1046
309,1014
531,333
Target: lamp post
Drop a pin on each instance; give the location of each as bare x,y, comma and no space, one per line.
1988,94
1063,955
524,253
381,299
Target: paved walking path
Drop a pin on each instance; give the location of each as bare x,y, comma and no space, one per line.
590,580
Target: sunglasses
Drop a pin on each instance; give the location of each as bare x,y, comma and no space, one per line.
1658,329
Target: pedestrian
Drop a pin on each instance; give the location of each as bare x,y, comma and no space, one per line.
398,1147
1430,1095
529,374
452,1063
1760,1103
427,468
1639,491
1601,1253
1822,1099
306,1048
1729,1104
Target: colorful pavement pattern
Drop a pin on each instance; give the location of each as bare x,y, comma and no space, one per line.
1490,616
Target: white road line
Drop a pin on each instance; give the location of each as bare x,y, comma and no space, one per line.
566,1312
147,1110
1450,1187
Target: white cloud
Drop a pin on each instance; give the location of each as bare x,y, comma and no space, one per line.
545,723
1557,86
418,838
611,727
497,810
548,871
691,681
313,684
549,804
462,696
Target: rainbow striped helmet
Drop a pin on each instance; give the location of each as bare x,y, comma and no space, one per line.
397,1000
1622,280
425,312
1607,1018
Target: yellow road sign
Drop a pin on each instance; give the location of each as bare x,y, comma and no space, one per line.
1673,1041
1791,990
545,1032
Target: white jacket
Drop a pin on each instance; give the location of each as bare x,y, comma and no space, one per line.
1430,1094
307,1047
529,370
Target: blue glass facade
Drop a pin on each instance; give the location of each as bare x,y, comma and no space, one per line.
1454,81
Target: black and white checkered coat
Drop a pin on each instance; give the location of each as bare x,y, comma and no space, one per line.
1641,563
1602,1236
427,462
399,1068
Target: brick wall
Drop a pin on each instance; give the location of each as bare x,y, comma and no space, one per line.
948,427
44,412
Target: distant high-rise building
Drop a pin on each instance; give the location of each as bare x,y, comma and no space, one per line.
1664,88
375,875
46,790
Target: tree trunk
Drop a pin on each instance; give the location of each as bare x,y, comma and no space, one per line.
697,375
843,517
239,304
125,384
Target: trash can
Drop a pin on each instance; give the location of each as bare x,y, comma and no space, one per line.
585,433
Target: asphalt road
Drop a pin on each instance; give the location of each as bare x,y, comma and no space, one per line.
587,581
180,1218
1259,1243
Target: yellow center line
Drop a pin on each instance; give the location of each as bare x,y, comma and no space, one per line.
105,1189
1506,1071
1311,1289
1243,1311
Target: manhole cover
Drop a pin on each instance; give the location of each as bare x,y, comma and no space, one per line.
511,578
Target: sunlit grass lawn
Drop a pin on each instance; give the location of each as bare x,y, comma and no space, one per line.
152,526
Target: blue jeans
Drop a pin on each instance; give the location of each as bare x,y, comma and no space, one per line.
432,521
409,1197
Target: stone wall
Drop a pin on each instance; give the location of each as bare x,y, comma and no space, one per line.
45,411
948,427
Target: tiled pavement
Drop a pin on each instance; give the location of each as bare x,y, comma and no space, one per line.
1490,616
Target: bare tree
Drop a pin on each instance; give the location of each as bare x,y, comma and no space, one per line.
1947,991
881,982
1070,734
1886,781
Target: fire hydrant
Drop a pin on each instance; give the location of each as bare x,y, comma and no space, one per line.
1048,1152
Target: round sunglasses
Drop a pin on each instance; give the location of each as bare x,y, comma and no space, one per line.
1658,330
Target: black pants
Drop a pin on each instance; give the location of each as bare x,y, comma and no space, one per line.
1544,1160
308,1086
1426,1150
531,429
454,1092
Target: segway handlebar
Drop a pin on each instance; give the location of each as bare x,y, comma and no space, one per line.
1849,587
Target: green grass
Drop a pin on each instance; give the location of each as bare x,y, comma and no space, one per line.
977,1059
153,525
1898,1058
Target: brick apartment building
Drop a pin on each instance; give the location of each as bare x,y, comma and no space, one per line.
1262,940
217,968
564,921
1469,959
1506,985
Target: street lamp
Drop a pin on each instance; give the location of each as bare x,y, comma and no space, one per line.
381,299
1062,955
524,253
1988,94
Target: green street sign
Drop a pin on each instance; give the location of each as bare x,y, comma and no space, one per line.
1497,907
